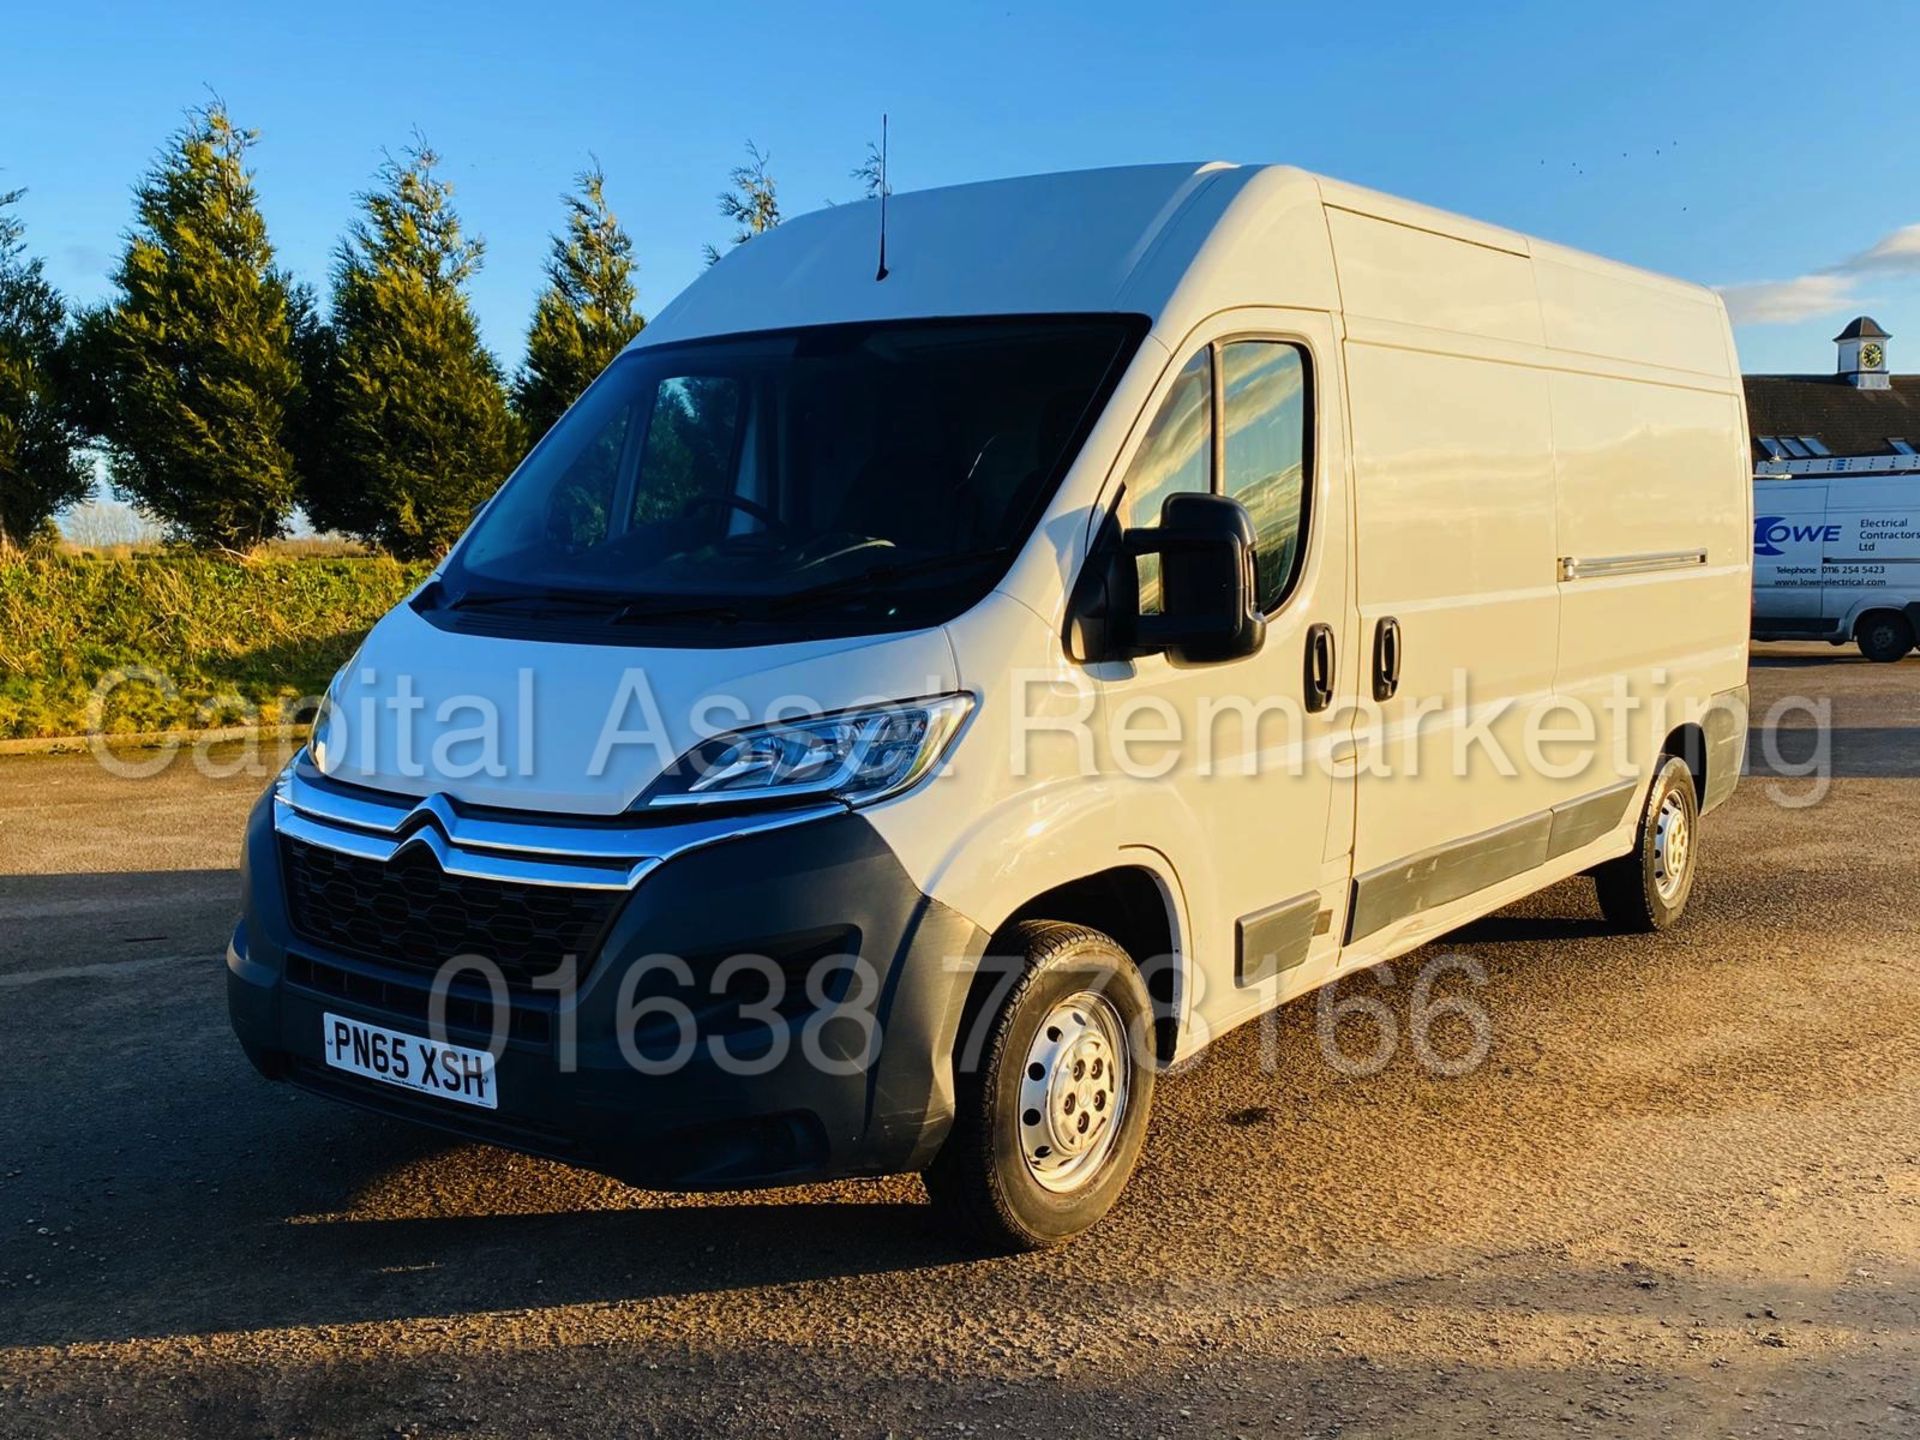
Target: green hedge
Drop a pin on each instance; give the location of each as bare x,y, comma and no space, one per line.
237,640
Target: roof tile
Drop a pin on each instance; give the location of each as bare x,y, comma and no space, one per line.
1843,417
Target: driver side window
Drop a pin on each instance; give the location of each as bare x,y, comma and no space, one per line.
1264,455
692,441
1176,456
583,499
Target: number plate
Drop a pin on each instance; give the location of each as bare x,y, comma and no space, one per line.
452,1072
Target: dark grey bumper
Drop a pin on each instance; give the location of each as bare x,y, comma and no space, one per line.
828,1101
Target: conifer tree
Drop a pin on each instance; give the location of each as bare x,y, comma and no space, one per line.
587,312
194,357
310,421
420,433
40,469
749,200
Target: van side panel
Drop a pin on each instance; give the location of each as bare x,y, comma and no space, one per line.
1871,550
1643,472
1455,533
1650,465
1417,277
1596,308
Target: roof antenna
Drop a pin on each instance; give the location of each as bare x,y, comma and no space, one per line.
881,274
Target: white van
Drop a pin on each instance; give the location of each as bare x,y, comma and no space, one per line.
900,708
1838,559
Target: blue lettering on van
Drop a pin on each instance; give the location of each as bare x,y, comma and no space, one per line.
1769,531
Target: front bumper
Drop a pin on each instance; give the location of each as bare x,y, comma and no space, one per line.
855,1079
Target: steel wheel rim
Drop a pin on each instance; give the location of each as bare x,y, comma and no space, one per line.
1074,1088
1672,845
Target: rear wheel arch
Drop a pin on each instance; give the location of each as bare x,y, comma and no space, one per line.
1689,743
1647,888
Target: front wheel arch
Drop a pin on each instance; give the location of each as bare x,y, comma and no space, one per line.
1016,1099
1138,909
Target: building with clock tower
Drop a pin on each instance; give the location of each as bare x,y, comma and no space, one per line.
1860,420
1863,354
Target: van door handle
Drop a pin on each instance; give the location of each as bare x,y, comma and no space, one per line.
1386,658
1319,668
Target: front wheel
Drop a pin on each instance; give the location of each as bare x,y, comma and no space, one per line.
1049,1120
1647,888
1884,636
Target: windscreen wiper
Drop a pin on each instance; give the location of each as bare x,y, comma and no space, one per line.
866,581
480,599
664,607
618,610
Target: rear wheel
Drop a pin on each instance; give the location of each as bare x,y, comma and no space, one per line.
1647,888
1883,635
1050,1120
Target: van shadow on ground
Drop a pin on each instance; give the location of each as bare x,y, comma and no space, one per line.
151,1184
1525,1362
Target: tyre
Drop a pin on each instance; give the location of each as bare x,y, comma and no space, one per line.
1883,635
1647,888
1050,1117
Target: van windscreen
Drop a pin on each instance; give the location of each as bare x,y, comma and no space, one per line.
885,471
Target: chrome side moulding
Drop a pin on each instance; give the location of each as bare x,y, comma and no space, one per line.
1575,567
581,853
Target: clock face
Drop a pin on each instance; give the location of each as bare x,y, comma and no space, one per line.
1872,357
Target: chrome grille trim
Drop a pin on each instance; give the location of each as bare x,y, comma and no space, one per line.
454,860
543,849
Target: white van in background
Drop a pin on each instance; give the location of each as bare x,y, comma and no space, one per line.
898,709
1838,559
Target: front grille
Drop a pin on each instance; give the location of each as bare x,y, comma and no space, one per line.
467,1012
408,912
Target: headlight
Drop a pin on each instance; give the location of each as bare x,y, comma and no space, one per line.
283,782
327,734
856,756
320,736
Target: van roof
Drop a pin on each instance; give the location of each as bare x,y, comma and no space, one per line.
1056,244
1170,241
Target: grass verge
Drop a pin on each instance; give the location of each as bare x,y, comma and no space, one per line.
196,641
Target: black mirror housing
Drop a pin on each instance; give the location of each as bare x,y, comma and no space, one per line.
1210,609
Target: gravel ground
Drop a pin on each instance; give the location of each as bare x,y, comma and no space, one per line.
1681,1196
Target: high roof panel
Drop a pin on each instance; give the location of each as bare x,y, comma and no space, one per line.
1039,243
1178,243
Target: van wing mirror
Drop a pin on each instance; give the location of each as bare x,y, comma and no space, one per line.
1209,601
1208,612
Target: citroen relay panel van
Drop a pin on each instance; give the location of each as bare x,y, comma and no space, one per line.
902,708
1838,559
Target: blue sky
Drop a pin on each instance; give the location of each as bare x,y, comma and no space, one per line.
1728,143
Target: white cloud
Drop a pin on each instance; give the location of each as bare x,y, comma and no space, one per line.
1899,251
1779,302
